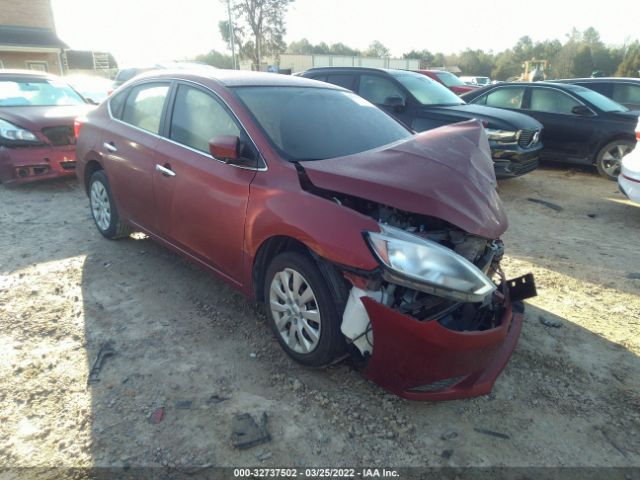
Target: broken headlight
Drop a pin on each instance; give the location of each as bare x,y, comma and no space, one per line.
424,265
502,136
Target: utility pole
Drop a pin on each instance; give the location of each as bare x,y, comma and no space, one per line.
231,36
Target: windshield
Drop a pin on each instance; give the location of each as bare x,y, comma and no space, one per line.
450,80
427,91
600,101
39,92
318,123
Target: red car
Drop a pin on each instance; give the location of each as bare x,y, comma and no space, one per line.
37,140
449,80
357,235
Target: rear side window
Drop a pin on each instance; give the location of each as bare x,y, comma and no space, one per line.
344,81
504,98
626,93
198,117
552,101
144,104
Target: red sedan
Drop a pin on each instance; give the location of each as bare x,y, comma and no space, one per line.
449,80
358,236
37,140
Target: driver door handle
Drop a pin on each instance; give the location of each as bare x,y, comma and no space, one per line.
110,147
167,172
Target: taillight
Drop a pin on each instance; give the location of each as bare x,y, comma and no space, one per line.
77,125
638,135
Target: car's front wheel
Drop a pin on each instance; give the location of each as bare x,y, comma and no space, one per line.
305,307
609,157
103,208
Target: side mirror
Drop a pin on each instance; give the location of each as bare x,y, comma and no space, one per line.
225,148
582,110
396,102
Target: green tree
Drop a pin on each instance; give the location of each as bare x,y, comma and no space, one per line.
582,62
425,56
630,66
216,59
342,49
258,28
377,49
301,47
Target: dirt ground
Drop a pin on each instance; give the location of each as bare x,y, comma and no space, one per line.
185,341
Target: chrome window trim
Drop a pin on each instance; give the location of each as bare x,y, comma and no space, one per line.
170,80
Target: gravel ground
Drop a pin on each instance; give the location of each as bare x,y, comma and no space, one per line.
184,341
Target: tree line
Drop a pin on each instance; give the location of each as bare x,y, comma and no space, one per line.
258,31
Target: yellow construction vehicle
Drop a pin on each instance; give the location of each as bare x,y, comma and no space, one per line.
534,70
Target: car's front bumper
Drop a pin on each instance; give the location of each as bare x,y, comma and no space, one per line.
30,164
513,162
629,178
422,360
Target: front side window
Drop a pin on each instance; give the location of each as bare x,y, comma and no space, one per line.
37,92
378,90
510,97
198,117
144,104
305,123
551,101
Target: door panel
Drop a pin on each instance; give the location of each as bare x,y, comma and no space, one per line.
202,208
129,146
566,136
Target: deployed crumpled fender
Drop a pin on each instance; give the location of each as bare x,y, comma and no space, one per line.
445,173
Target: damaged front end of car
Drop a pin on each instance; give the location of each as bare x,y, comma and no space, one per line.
437,320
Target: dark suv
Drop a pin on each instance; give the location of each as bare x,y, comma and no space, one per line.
422,104
625,91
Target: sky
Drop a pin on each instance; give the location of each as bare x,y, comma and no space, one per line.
151,31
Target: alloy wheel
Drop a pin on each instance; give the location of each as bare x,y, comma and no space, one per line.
612,157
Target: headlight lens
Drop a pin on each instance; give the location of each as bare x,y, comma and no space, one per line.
502,136
11,132
427,266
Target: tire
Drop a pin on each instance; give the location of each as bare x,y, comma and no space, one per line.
609,157
103,208
304,305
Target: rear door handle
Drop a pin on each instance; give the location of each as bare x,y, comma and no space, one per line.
167,172
110,147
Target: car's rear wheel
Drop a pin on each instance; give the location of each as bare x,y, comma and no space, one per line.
305,306
609,157
103,208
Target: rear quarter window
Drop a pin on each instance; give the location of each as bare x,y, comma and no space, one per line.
116,104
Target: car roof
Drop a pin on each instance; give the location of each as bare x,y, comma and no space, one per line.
27,73
237,78
599,79
565,86
357,69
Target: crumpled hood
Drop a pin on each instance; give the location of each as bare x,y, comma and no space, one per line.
37,118
445,173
